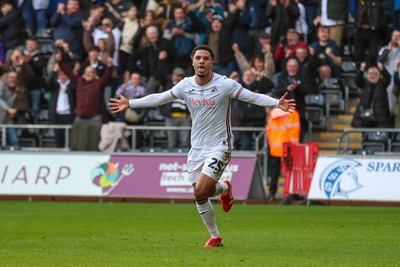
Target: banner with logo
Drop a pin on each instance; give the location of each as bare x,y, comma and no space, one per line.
353,178
96,174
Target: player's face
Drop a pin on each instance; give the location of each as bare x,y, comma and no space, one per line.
202,63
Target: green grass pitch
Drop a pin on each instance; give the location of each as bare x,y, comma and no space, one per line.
137,234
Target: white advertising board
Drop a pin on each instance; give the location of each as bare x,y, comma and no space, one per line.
49,174
370,178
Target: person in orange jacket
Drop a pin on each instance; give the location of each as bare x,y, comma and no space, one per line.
283,127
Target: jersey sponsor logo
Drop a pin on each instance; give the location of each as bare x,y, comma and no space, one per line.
202,102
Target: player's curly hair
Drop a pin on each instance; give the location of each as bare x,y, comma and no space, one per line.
202,47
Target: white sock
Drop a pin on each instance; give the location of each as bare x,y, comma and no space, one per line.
207,214
220,188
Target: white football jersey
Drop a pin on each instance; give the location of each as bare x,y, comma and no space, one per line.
209,106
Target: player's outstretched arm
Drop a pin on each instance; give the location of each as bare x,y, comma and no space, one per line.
288,105
118,105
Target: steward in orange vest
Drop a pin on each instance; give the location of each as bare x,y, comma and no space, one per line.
282,127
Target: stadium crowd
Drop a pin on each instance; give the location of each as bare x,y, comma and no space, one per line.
68,57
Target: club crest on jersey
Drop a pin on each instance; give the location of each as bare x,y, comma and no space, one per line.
202,102
214,90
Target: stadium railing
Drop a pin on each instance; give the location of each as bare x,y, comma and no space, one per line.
368,145
260,147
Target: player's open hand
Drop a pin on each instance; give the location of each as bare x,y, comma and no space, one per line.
288,105
118,105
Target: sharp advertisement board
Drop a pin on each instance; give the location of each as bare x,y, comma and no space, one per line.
370,178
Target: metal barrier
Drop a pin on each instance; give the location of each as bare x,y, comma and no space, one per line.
342,143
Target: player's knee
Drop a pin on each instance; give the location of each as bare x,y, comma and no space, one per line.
201,193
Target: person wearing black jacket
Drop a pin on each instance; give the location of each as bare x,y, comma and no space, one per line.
250,115
11,27
370,20
62,103
159,58
298,87
37,63
283,14
218,37
373,96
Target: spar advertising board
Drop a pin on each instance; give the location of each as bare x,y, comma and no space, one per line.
98,174
369,178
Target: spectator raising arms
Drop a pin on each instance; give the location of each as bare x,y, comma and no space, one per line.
373,98
67,23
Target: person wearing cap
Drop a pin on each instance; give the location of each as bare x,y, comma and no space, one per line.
177,114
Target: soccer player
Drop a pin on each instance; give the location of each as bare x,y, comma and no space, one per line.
208,97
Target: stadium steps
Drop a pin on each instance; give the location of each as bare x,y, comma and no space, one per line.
337,123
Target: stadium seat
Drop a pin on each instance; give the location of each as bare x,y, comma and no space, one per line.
315,115
336,96
394,145
375,141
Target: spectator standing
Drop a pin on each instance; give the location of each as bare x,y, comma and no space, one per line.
287,49
238,22
35,85
132,89
14,103
284,14
389,55
129,45
218,37
250,115
93,60
262,64
396,14
116,9
177,114
373,96
301,22
181,31
332,14
159,59
34,13
103,32
104,45
62,103
89,91
308,65
396,92
67,23
327,55
18,64
257,10
298,87
369,20
11,27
